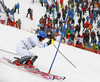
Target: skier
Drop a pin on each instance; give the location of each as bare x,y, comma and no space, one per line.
18,6
22,49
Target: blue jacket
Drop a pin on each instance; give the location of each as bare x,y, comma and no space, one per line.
40,25
94,41
72,31
71,13
8,11
94,15
99,43
17,6
69,41
45,1
87,18
98,22
68,27
91,20
76,1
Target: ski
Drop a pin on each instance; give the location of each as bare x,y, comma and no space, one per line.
23,68
54,76
38,72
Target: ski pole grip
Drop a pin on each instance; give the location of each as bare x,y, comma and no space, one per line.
52,42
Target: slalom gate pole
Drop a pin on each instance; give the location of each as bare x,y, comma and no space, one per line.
8,52
64,56
59,42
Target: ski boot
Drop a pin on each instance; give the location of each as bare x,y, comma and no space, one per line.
31,61
29,64
16,62
21,61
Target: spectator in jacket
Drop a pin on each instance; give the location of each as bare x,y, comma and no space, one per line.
72,31
61,2
17,7
72,21
45,2
12,12
86,25
83,21
84,10
31,14
64,15
18,23
93,36
8,12
79,21
28,12
80,12
86,38
53,10
41,1
77,29
87,19
94,16
72,36
89,9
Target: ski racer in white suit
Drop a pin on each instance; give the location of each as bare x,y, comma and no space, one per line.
25,45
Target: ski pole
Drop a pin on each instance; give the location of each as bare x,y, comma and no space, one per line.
64,56
8,52
59,42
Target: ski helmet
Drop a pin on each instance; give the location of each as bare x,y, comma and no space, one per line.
42,34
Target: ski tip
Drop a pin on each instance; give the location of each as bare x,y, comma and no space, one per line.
16,58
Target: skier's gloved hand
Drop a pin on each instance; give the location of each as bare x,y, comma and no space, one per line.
52,42
49,42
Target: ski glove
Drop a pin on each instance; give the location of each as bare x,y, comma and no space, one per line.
49,42
52,42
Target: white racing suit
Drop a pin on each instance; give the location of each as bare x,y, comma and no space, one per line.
25,45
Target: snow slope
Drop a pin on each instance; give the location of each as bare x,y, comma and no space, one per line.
87,63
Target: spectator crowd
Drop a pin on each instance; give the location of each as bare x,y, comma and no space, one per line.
82,27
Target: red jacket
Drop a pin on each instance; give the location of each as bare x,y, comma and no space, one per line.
90,3
86,25
86,1
91,16
66,7
89,9
61,1
56,3
83,35
44,21
83,9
